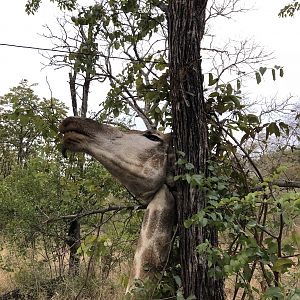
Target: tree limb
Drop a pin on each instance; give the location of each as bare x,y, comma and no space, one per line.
281,183
94,212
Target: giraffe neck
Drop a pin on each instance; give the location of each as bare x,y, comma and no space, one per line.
155,238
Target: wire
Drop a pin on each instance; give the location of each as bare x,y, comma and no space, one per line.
34,48
78,53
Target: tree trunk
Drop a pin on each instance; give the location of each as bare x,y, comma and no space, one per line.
74,243
74,228
72,84
186,28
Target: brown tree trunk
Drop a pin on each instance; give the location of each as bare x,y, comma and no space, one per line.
186,28
72,84
74,243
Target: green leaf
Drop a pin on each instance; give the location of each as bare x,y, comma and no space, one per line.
295,295
238,84
189,166
188,223
181,153
229,89
258,77
117,45
281,72
198,179
244,138
116,112
252,223
272,128
181,161
262,70
192,297
274,293
252,119
203,222
177,177
229,99
221,186
211,80
202,248
161,64
273,74
214,94
285,127
177,280
282,265
188,178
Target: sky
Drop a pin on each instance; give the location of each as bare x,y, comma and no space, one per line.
16,63
277,35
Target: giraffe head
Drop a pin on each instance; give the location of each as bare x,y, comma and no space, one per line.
137,159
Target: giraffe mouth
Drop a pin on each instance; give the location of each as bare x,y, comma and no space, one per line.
73,133
72,141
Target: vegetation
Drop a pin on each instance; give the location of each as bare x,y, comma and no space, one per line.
40,191
289,9
251,185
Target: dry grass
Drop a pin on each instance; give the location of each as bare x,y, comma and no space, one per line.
29,275
6,278
112,288
7,282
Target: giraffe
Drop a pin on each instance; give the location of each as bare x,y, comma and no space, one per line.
138,159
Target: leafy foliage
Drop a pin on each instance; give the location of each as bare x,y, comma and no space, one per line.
32,6
258,233
262,70
28,125
290,9
255,218
128,32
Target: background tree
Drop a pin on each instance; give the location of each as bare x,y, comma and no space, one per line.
33,5
289,9
27,125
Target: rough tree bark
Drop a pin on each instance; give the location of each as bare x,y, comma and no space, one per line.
73,241
186,28
72,84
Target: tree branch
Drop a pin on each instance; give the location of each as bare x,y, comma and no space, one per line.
94,212
281,183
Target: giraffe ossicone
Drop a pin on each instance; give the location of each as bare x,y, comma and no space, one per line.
138,159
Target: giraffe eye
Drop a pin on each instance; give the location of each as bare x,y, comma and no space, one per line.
152,137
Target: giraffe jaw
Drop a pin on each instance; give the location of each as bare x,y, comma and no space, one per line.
76,137
72,142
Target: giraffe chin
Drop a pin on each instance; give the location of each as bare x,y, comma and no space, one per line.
70,145
64,150
73,141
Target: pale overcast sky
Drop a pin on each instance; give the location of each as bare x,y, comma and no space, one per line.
277,35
